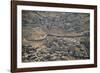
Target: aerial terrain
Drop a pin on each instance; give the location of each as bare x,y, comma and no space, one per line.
55,36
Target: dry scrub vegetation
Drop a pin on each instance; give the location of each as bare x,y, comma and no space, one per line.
54,36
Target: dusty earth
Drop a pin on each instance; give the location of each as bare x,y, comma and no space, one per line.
54,36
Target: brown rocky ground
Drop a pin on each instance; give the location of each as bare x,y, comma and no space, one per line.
52,36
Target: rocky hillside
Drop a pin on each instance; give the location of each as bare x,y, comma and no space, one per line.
53,36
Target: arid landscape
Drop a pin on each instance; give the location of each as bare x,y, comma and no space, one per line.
55,36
